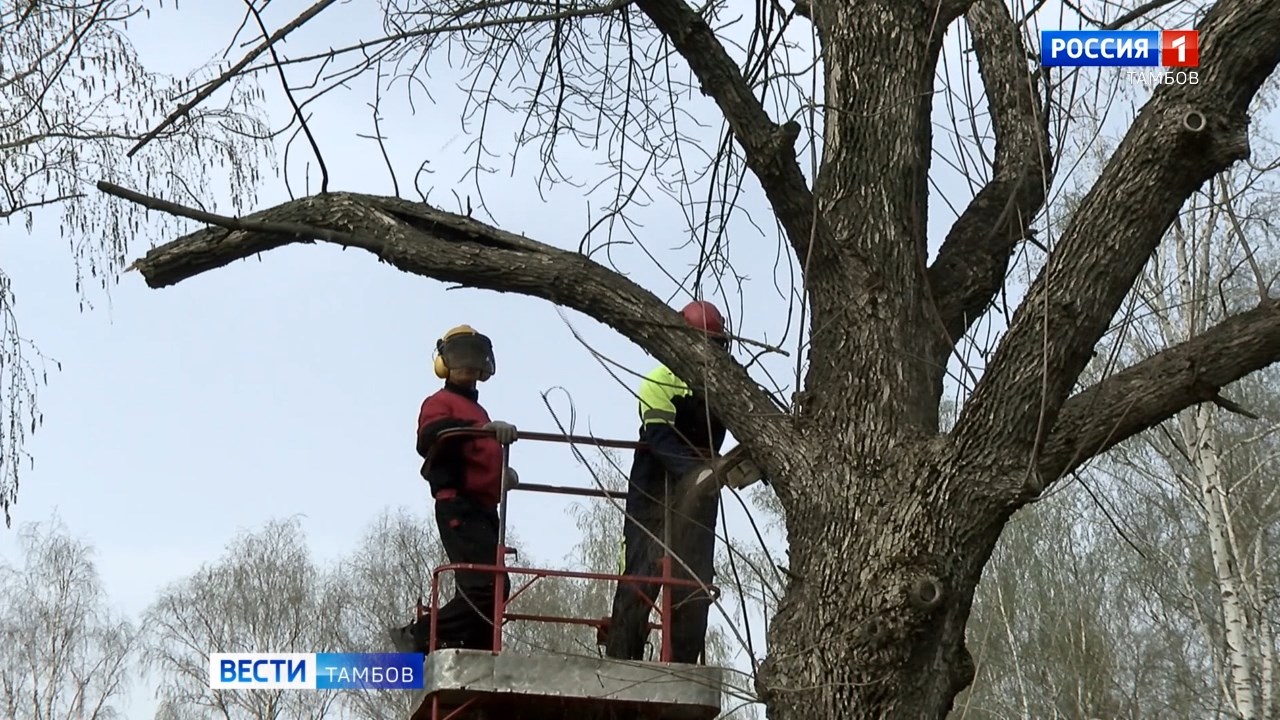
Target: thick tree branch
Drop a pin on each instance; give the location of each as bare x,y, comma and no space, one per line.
972,262
420,239
769,147
1181,138
1152,391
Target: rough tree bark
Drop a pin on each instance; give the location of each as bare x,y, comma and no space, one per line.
889,521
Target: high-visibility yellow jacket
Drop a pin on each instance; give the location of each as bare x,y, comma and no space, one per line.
679,429
671,411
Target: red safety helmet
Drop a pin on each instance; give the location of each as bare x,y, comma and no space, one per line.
706,317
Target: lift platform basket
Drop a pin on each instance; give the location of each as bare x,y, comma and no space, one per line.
497,685
523,687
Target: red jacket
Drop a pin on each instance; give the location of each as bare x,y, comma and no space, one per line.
470,465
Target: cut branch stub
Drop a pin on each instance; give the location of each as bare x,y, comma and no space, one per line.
927,593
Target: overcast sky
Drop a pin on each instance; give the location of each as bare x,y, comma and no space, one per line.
289,385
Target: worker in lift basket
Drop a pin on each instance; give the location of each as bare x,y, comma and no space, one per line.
678,465
465,472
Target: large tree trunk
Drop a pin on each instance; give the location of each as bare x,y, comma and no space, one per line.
880,589
877,515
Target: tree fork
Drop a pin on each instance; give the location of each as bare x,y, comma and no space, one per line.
1182,136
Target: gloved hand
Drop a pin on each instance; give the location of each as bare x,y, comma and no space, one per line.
505,432
511,479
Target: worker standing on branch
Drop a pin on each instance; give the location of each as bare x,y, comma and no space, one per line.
465,472
682,438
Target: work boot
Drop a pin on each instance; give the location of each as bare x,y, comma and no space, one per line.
403,641
414,637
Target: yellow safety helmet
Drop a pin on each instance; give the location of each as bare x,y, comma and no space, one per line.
463,347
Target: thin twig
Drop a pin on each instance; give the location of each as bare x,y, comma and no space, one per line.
1236,225
366,45
231,72
1136,13
377,129
297,111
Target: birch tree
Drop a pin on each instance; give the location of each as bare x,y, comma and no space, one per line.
263,595
1142,519
1222,467
1064,625
75,96
64,653
384,577
890,520
1148,573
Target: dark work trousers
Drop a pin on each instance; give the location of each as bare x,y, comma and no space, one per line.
469,533
693,542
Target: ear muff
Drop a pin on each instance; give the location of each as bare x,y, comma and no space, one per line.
437,362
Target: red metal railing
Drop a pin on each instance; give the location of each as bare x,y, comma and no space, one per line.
666,582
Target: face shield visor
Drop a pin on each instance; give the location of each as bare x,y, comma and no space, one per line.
469,352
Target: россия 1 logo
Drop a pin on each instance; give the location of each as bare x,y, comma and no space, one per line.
1176,50
1120,48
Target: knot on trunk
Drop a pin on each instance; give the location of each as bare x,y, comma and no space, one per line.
873,632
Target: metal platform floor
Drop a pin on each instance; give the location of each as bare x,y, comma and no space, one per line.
557,687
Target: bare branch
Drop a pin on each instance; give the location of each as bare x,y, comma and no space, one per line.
231,72
1232,406
1182,137
972,262
372,50
769,148
1157,388
1224,197
423,240
11,209
1137,13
